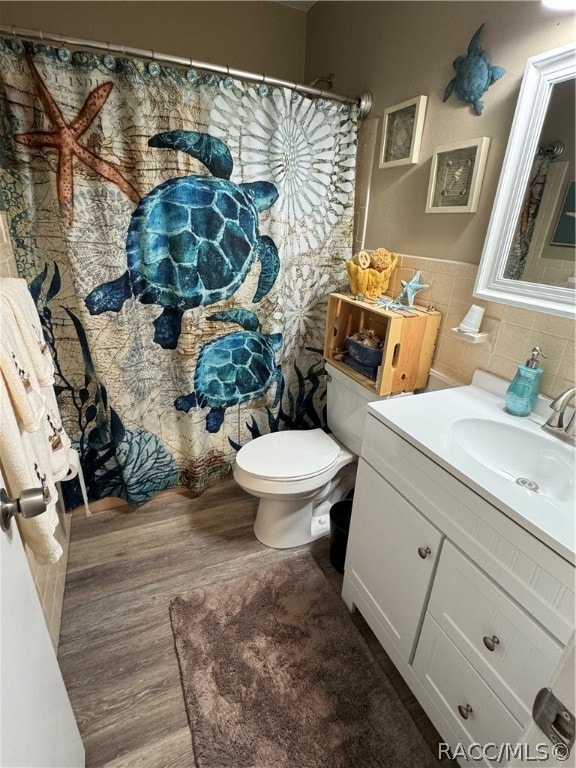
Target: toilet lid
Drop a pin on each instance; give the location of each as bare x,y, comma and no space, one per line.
289,455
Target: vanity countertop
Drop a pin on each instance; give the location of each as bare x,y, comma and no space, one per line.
467,432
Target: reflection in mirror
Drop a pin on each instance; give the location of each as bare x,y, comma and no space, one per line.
543,249
528,258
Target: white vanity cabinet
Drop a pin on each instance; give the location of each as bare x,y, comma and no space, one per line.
401,550
473,609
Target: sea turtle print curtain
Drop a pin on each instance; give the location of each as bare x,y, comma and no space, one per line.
179,233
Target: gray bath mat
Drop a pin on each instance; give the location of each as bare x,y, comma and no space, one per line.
276,675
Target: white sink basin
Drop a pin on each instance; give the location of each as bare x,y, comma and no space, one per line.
510,461
530,459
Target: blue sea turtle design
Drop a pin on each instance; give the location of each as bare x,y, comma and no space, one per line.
233,368
192,240
474,74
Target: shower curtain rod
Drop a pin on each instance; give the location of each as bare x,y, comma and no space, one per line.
364,101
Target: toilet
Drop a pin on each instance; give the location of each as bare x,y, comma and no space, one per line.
299,474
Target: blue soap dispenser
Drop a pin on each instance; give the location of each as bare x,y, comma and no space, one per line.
523,391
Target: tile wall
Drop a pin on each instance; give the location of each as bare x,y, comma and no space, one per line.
512,331
50,580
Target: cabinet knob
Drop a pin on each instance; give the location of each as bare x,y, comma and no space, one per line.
490,642
464,711
424,552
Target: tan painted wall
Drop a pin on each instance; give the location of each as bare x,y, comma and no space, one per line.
399,50
254,36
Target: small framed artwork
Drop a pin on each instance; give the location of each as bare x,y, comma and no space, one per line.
456,176
564,231
402,133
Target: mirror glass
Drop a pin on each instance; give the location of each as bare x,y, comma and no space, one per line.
529,257
543,248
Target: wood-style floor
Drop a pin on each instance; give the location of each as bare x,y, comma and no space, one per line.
116,647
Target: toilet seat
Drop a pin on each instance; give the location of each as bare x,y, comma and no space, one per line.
289,456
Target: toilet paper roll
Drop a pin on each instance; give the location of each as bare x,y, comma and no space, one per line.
471,323
75,470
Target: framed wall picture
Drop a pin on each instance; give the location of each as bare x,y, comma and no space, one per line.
402,133
456,176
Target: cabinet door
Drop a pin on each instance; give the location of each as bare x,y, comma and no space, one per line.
391,558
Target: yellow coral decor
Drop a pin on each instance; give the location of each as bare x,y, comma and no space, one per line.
371,281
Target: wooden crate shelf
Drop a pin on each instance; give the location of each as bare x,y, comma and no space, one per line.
409,342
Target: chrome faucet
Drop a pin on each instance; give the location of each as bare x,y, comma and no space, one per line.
556,421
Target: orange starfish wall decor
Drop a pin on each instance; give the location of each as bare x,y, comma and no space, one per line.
64,138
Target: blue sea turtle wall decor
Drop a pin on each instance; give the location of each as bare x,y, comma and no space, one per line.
474,74
192,240
233,368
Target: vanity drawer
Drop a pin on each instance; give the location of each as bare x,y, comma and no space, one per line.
454,686
513,653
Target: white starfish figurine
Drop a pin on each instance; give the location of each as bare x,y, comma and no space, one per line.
410,288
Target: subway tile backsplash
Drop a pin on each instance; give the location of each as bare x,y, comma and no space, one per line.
512,331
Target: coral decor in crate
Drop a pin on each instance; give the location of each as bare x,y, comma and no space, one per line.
369,272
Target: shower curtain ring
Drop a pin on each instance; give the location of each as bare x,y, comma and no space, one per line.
153,67
263,88
192,74
228,81
109,60
64,54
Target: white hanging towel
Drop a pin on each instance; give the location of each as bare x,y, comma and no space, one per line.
26,464
62,455
23,342
35,449
15,291
19,375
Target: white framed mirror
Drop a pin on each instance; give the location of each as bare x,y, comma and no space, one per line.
529,257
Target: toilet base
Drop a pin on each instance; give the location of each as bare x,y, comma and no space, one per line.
284,523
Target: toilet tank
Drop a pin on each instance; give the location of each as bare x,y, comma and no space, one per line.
346,402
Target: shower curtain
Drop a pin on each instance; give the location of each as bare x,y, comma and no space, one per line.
179,233
530,207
